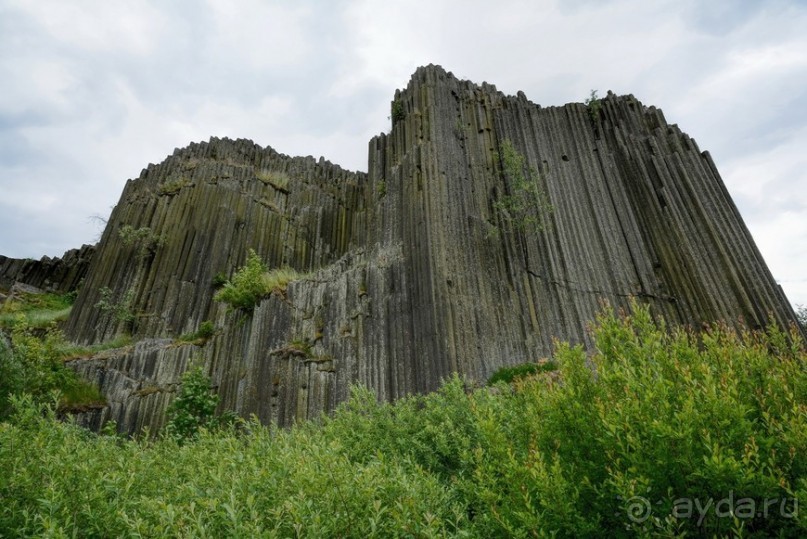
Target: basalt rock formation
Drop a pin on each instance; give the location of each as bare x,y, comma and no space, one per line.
50,274
428,264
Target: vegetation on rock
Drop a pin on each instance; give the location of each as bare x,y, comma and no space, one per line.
801,316
670,434
397,111
526,205
144,240
200,336
254,281
511,374
193,409
121,309
174,186
594,104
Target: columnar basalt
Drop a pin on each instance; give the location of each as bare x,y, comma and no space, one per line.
421,267
50,274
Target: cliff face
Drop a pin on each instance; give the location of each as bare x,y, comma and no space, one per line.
51,274
485,227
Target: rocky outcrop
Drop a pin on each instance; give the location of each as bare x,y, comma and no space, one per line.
429,264
50,274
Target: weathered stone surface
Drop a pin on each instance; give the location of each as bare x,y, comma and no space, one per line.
416,270
50,274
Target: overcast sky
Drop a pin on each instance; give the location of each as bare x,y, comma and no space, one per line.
91,91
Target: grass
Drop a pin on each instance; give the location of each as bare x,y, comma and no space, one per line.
278,180
80,396
200,337
172,187
36,310
511,374
69,351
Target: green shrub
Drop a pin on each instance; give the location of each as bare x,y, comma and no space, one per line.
172,187
34,364
666,417
200,336
219,280
397,111
594,104
246,287
510,374
526,206
801,316
194,407
252,282
144,240
120,309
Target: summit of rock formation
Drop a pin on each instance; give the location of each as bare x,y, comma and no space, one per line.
429,264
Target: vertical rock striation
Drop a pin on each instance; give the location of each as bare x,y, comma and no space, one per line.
421,267
51,274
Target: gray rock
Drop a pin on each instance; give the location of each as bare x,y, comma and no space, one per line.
419,270
19,289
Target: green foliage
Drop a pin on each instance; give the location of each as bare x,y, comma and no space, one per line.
38,310
172,187
219,280
202,335
246,287
144,240
253,281
193,409
32,363
526,205
594,104
397,111
120,309
665,417
381,188
277,279
511,374
278,180
801,316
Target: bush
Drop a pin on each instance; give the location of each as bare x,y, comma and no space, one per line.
252,282
35,365
594,104
194,407
527,205
246,287
397,111
667,418
202,335
144,240
120,309
510,374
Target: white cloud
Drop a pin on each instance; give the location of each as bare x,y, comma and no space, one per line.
131,26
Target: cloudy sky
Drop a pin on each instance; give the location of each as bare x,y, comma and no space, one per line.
91,91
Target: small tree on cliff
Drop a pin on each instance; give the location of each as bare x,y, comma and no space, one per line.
801,316
194,407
